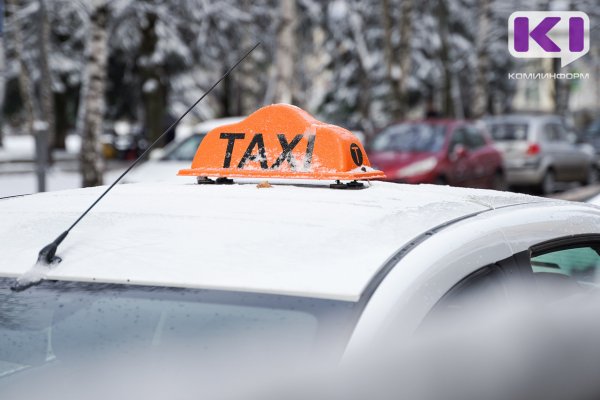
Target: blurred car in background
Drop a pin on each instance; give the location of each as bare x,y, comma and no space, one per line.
123,140
540,151
591,139
447,152
164,163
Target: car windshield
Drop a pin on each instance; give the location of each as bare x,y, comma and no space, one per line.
186,150
422,138
594,129
509,131
66,325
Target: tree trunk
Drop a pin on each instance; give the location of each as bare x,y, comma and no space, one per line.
92,100
442,16
480,92
154,92
25,83
389,52
61,120
405,56
46,95
2,73
365,63
286,54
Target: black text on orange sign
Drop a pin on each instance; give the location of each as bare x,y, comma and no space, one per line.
256,151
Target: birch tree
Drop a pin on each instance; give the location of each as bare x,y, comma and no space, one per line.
480,92
45,83
405,55
2,69
285,55
92,99
26,90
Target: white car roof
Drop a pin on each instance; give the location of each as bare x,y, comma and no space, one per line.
292,240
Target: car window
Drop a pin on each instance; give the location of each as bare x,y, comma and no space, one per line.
554,132
594,129
62,324
475,138
509,131
580,263
419,137
566,270
186,150
459,136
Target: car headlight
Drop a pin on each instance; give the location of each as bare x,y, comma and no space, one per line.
417,168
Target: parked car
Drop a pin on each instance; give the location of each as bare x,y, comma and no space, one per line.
539,150
176,155
123,140
590,140
457,153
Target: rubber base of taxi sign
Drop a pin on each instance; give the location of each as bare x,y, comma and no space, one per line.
352,185
281,141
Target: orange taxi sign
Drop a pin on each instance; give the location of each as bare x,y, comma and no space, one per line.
281,141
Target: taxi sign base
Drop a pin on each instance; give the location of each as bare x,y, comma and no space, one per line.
205,180
352,185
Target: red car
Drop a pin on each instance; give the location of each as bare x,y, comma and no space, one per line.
447,152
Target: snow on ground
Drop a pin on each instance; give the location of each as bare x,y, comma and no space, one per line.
26,183
22,147
17,166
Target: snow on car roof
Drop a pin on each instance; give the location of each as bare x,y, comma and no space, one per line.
296,240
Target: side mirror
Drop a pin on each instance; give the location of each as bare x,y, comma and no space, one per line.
458,152
572,138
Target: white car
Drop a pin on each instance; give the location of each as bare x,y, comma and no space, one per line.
176,155
253,270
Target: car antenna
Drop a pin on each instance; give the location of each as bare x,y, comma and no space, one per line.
47,255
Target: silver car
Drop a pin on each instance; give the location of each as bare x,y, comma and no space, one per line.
539,151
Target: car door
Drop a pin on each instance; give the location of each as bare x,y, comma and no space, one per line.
576,161
553,150
483,167
568,161
459,166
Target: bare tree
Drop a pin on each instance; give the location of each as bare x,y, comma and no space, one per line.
25,83
398,57
92,98
285,55
2,71
46,95
152,73
389,51
480,92
445,59
405,55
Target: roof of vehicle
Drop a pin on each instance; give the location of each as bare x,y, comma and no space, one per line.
431,121
305,240
521,118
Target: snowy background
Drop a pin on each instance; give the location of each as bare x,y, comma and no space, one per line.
80,66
